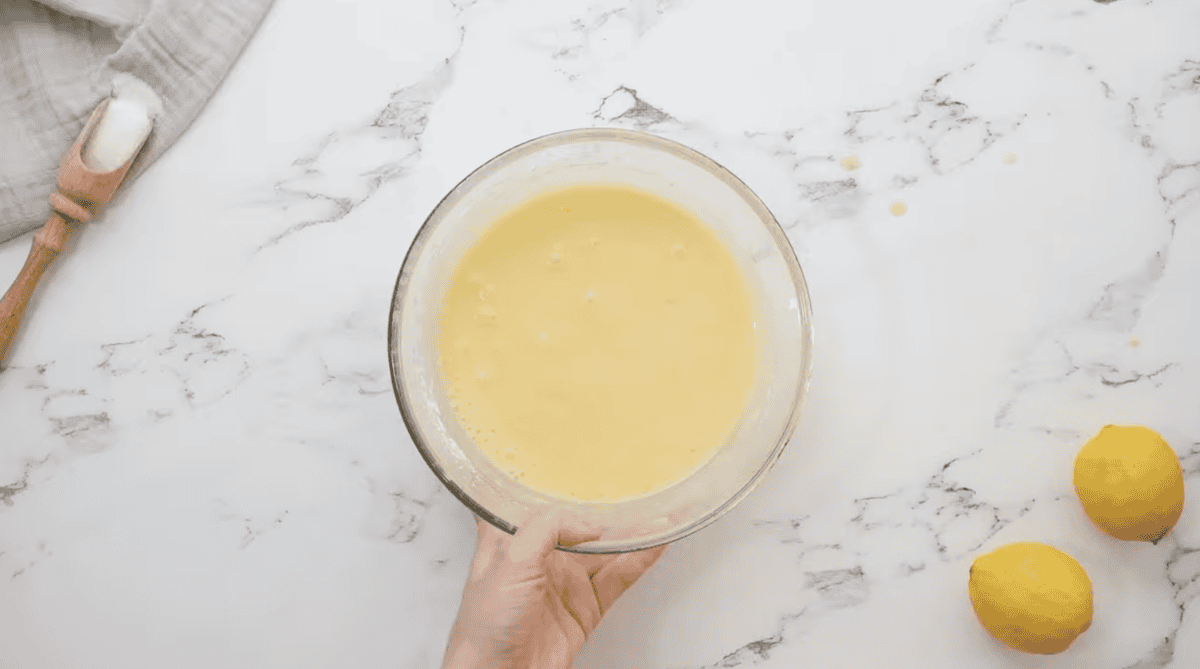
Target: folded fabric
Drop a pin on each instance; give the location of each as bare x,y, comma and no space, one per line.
60,58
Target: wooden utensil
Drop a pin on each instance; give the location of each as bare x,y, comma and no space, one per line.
81,194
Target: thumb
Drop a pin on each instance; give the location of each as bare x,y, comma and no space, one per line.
542,533
535,539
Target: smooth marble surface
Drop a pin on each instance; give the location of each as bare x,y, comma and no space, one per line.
203,465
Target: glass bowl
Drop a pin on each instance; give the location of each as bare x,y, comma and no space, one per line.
741,221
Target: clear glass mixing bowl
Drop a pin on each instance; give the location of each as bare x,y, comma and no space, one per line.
783,327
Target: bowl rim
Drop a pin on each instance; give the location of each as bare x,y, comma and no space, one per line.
578,135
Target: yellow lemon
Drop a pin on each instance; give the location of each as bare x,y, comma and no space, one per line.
1130,483
1031,596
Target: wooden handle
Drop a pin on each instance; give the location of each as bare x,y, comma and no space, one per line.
46,247
81,195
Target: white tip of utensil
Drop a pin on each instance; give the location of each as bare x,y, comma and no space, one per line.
118,135
128,87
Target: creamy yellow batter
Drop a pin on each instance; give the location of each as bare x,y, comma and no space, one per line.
598,343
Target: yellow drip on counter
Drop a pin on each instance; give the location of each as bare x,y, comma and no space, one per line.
598,343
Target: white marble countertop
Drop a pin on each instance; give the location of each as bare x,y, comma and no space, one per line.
203,464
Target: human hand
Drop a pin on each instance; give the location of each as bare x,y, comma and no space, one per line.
529,606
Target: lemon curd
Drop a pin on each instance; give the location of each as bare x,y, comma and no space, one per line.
598,343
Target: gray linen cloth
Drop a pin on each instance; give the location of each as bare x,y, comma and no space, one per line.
59,59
